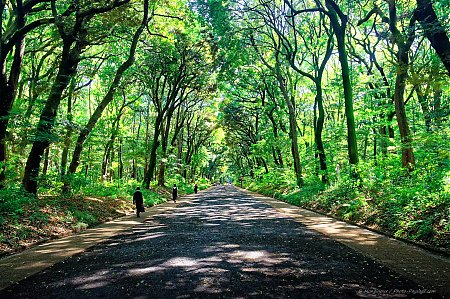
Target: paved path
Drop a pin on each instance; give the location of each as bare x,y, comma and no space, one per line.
221,244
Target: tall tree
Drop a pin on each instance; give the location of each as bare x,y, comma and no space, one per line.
316,58
403,41
265,40
14,27
111,91
72,27
339,23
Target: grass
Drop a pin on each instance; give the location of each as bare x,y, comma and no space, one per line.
404,207
26,220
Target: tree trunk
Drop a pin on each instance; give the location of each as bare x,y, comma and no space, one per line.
86,168
110,144
386,132
164,145
434,31
120,159
162,164
112,173
46,156
106,158
68,65
180,150
366,144
425,108
68,137
292,128
318,133
161,173
383,140
374,131
147,137
294,142
277,156
400,111
266,169
403,43
152,159
339,30
437,98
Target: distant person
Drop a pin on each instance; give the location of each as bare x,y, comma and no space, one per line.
174,193
138,200
195,188
338,171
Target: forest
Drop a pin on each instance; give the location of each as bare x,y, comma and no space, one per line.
338,106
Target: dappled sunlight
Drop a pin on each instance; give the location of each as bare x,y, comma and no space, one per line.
211,266
44,255
326,225
94,199
146,270
214,264
183,262
224,244
150,236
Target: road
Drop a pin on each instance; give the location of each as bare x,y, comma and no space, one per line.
221,244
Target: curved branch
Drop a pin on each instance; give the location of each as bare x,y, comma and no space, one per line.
23,31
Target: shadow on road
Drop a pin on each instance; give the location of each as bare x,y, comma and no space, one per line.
221,244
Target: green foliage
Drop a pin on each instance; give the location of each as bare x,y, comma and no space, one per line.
414,207
25,219
39,217
12,202
152,198
85,217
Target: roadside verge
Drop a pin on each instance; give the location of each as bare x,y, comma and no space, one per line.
17,267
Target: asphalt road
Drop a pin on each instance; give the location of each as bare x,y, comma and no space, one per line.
221,244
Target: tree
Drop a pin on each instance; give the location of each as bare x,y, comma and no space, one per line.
403,43
72,27
298,53
15,25
265,41
339,23
178,74
111,91
434,31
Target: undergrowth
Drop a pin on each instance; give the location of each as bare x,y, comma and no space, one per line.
415,207
26,219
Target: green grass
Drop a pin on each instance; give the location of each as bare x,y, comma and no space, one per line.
26,219
413,207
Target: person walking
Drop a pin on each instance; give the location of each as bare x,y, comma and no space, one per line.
195,188
174,193
138,200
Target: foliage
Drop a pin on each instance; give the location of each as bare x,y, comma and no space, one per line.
26,219
417,209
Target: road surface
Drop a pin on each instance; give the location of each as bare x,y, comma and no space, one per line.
223,243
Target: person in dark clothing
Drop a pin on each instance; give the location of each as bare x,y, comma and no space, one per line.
195,188
138,200
174,193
